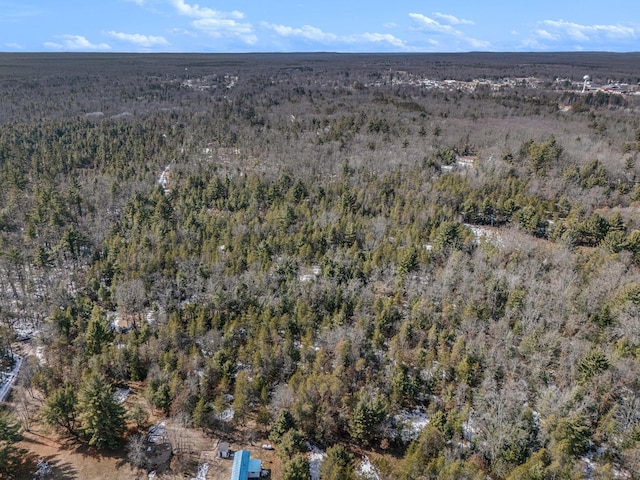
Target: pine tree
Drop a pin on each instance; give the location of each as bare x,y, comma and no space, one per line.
101,417
337,465
200,413
281,425
9,435
60,409
98,333
297,469
366,418
241,396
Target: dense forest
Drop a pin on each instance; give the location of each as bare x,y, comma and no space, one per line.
324,244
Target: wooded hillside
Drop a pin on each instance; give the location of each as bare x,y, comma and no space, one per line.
326,243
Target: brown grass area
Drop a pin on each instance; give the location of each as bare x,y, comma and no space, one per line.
71,460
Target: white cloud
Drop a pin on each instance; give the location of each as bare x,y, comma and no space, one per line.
196,11
216,23
14,46
307,32
315,34
76,42
452,20
479,44
221,27
181,32
137,2
53,46
546,35
431,25
586,33
139,39
382,38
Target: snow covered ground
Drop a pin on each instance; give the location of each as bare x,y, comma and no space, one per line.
157,433
202,472
164,179
121,394
410,424
226,415
490,235
316,457
367,470
7,379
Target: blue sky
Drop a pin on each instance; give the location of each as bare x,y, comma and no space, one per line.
320,25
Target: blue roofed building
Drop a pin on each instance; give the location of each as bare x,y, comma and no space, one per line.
244,467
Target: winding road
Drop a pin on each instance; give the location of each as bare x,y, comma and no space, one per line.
11,378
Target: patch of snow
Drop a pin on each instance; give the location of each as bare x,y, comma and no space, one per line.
40,355
121,394
316,457
7,379
157,433
150,317
310,274
202,472
469,431
43,469
226,415
94,115
589,466
410,424
591,463
164,179
118,322
121,116
24,329
487,234
368,470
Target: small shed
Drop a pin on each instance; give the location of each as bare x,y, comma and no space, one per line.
223,450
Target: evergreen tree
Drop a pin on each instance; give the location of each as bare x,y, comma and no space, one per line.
60,408
337,465
296,469
9,435
102,418
200,413
281,425
366,418
98,333
241,396
291,444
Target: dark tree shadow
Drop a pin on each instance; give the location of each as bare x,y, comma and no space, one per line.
59,470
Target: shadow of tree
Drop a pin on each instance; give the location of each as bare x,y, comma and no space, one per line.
59,470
